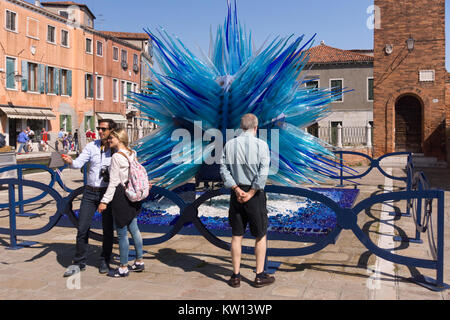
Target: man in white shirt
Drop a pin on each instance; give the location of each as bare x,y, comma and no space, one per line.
98,155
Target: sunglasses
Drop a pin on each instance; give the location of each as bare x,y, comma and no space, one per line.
102,129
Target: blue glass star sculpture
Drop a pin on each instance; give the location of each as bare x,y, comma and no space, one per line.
217,90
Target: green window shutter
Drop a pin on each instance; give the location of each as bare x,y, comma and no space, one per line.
69,83
69,123
24,75
41,78
92,122
10,72
56,77
46,79
61,121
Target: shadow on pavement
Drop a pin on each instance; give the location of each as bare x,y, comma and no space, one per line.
190,263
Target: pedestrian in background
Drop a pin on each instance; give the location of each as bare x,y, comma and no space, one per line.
44,140
22,140
75,141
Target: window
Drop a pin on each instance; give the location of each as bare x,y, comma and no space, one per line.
115,90
32,28
129,88
32,77
11,21
115,54
51,81
336,88
10,73
51,32
370,89
135,63
89,122
89,86
100,48
122,91
65,122
64,14
124,56
99,88
88,45
311,84
64,82
65,38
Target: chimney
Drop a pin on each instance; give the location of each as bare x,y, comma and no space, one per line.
37,3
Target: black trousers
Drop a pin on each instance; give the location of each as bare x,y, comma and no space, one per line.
89,205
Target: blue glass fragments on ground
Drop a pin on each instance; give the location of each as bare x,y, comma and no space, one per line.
309,219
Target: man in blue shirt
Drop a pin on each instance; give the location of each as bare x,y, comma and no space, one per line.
60,139
22,140
98,155
244,168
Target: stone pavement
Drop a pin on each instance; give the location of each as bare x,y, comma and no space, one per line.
189,267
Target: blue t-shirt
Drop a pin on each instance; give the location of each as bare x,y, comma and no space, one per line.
23,137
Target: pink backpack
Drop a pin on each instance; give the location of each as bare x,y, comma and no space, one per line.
138,186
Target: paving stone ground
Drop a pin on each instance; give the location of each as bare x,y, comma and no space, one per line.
189,267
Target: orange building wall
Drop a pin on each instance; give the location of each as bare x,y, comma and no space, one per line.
74,58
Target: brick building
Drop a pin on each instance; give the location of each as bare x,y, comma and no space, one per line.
410,112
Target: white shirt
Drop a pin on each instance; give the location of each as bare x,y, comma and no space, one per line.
97,158
118,173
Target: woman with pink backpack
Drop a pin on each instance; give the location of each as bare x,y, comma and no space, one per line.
122,176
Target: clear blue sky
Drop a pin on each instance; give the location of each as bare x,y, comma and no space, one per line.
341,24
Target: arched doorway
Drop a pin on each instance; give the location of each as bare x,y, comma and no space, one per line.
408,124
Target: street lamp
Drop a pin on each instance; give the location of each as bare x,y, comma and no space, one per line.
410,44
18,77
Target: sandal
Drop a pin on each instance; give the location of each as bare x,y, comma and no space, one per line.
117,274
137,267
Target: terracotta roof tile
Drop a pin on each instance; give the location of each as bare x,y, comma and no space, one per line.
127,35
325,54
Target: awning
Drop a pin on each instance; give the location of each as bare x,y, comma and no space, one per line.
117,117
28,113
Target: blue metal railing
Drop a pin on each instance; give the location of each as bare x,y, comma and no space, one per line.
374,164
188,213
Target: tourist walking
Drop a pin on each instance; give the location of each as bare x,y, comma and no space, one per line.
98,155
124,211
44,140
60,139
244,168
29,144
75,141
22,140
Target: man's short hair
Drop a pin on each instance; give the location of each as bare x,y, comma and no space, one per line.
249,121
112,124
